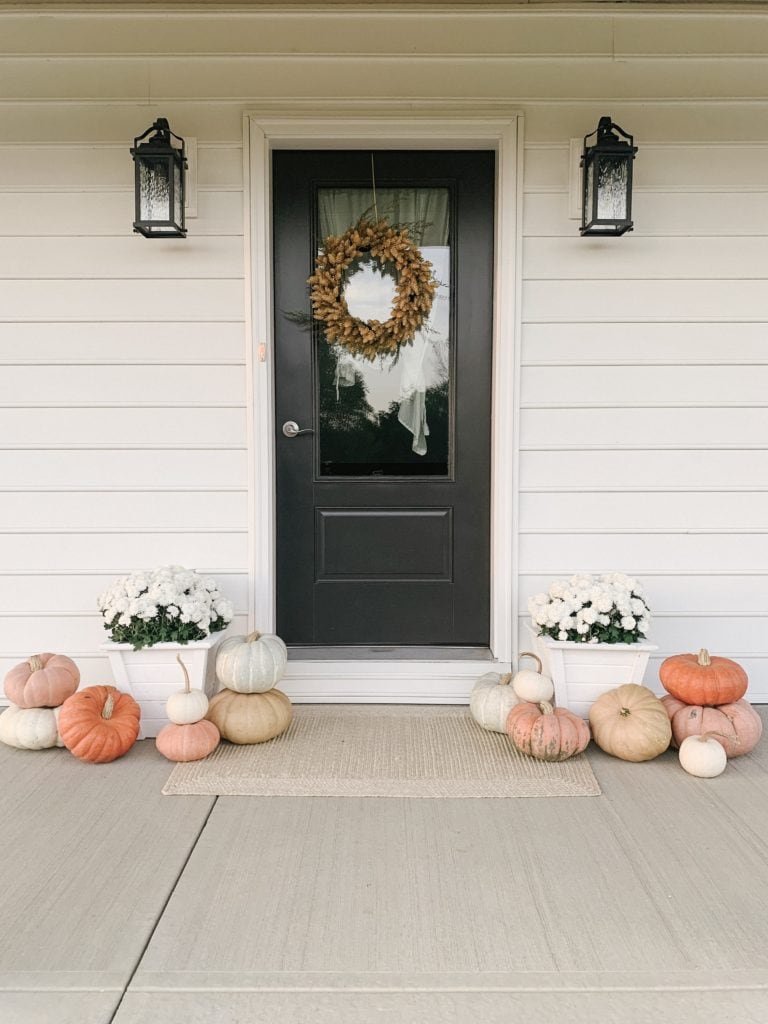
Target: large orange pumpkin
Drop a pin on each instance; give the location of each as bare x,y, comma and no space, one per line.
703,679
42,681
736,726
545,732
99,723
191,741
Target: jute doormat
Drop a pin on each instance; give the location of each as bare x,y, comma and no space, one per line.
381,751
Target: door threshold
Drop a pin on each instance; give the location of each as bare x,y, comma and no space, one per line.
385,652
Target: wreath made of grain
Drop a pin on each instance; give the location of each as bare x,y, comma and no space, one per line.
414,293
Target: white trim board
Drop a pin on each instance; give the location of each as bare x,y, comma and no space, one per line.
303,125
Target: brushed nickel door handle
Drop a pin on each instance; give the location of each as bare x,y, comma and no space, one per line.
292,429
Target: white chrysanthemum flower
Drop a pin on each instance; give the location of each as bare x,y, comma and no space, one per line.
628,622
558,589
562,636
589,615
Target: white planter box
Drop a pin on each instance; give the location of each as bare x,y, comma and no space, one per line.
582,672
152,674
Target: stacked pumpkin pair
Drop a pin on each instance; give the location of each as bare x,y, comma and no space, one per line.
710,719
36,689
249,709
188,736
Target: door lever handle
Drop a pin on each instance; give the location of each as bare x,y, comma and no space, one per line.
292,429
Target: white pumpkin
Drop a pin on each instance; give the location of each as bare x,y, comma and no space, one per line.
703,756
30,728
491,701
187,706
251,664
533,687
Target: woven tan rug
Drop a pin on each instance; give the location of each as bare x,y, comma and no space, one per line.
381,751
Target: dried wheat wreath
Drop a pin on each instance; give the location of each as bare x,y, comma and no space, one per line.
416,287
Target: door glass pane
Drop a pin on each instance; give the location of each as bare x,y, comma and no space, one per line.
389,417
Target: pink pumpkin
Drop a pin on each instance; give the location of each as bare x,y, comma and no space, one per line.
42,681
190,742
546,732
737,726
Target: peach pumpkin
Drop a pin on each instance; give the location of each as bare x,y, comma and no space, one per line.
703,679
250,717
189,742
42,681
737,726
546,732
99,723
630,722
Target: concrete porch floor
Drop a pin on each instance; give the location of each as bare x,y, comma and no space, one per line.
647,903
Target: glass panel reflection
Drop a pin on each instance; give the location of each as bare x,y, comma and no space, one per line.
390,417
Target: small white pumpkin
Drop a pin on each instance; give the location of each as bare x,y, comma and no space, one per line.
533,687
251,664
30,728
491,701
187,706
703,756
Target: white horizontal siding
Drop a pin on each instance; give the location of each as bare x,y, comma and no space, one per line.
123,399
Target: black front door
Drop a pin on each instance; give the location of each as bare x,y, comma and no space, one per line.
383,505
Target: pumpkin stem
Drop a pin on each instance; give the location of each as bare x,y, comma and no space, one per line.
536,658
253,637
625,712
35,663
109,706
546,708
506,679
704,658
186,674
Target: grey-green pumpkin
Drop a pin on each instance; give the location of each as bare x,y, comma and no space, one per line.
251,664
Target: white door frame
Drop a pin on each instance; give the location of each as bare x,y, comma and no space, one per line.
393,125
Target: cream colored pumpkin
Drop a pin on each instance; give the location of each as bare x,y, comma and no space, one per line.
533,687
630,722
250,717
251,664
187,706
30,728
703,756
491,701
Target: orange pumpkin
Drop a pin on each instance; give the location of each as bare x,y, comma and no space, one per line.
546,732
702,679
736,726
99,724
42,681
189,742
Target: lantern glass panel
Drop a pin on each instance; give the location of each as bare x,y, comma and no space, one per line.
155,189
612,187
178,213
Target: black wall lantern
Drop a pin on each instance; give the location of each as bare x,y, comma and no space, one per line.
160,180
607,180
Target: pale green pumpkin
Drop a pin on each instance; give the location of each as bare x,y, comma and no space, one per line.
251,664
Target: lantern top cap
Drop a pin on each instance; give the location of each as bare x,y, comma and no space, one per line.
609,136
161,138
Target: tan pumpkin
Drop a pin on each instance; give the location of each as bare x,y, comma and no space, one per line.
42,681
491,700
533,686
250,717
630,722
190,742
30,728
737,726
99,724
703,679
545,732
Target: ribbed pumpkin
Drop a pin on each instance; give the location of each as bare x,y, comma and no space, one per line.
630,722
703,679
547,733
737,726
251,664
186,706
42,681
190,742
99,724
30,728
250,717
491,700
